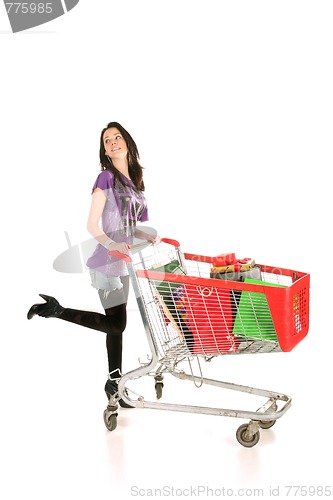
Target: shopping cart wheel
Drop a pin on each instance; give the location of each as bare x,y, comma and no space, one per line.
266,425
110,420
244,439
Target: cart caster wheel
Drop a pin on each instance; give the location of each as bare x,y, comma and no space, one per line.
266,425
110,420
243,439
159,390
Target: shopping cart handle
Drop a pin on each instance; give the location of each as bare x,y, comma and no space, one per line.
175,243
119,255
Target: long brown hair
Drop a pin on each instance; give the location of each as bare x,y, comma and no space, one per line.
134,167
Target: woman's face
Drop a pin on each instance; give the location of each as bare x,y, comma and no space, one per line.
114,144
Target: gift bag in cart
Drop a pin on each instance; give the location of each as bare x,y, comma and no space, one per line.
208,314
188,316
201,315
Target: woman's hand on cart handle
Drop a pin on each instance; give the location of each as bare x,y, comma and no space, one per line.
154,239
121,247
120,251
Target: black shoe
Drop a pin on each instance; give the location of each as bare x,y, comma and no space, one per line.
49,309
111,388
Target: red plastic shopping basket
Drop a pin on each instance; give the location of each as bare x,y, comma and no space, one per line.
207,307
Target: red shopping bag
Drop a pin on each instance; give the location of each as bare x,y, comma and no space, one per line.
210,319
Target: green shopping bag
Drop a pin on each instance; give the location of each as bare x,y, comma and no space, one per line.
172,267
253,318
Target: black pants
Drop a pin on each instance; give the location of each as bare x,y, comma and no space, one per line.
113,322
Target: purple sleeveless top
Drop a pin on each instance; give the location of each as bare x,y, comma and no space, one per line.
125,206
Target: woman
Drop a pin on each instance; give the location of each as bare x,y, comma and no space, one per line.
119,203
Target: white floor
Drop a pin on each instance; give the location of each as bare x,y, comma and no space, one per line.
55,445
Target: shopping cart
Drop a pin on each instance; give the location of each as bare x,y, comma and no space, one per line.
188,316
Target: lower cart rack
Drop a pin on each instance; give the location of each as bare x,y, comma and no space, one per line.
188,315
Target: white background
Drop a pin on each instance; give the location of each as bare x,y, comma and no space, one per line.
231,106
